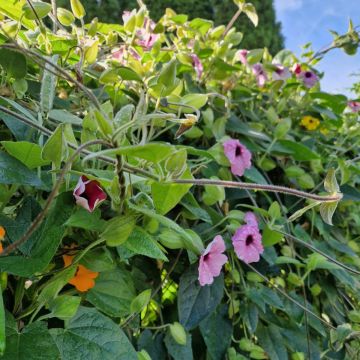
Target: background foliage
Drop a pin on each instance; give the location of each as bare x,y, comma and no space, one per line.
267,34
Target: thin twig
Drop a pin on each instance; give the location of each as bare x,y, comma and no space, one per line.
311,247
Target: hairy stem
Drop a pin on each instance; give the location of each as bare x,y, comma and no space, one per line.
253,186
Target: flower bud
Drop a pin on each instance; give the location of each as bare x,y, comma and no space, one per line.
77,9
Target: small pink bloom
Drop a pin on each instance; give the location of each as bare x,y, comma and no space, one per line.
354,106
241,55
281,73
146,37
238,155
88,193
247,243
126,15
260,74
211,261
197,65
309,78
251,219
296,69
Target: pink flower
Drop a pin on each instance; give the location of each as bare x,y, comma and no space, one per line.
126,15
146,37
281,73
211,261
241,55
88,193
238,155
309,78
197,65
259,72
251,219
354,106
122,55
296,69
247,242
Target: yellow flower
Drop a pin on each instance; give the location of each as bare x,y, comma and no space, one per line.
310,123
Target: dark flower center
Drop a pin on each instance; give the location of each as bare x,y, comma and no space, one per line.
308,74
238,151
249,240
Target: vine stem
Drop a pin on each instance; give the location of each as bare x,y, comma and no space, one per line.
253,186
38,220
231,22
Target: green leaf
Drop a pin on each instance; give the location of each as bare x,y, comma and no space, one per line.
26,152
270,237
167,75
213,194
196,302
12,171
167,196
113,293
48,84
38,9
178,333
317,261
64,117
298,151
140,301
271,340
20,345
274,211
64,307
217,331
96,335
55,148
14,11
302,211
255,56
118,229
128,74
177,351
141,242
98,259
2,325
250,11
89,221
191,239
154,152
46,240
13,62
327,210
330,182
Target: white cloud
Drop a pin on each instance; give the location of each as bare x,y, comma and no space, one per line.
288,5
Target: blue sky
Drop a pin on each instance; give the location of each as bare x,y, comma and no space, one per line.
310,21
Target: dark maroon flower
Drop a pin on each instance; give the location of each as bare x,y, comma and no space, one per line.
88,193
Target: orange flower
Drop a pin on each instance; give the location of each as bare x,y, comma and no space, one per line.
84,278
2,235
